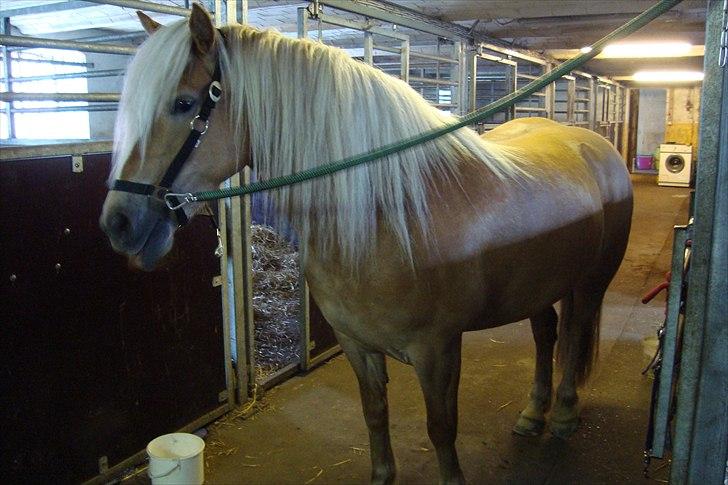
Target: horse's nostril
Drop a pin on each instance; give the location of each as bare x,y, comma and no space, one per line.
119,224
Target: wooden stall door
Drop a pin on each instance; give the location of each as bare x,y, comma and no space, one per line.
97,359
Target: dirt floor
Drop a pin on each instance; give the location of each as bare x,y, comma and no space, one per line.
310,430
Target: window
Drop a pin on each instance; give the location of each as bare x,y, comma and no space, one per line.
46,120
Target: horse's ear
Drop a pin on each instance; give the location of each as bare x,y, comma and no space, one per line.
203,32
149,24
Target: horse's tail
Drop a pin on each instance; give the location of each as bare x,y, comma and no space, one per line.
578,341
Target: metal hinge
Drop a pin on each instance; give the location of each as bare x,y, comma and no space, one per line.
77,164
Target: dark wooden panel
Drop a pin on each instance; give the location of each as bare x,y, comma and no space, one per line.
96,358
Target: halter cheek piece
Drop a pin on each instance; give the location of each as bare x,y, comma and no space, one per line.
198,127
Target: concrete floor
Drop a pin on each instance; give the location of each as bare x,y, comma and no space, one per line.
311,430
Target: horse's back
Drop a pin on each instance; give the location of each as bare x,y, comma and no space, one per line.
556,147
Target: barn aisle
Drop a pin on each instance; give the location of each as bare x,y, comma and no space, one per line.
310,429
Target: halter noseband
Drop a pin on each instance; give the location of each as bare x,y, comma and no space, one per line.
198,127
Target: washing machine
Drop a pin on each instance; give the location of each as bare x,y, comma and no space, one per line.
676,165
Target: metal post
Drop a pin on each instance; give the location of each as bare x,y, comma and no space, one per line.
301,22
368,48
592,104
8,81
404,61
473,81
701,422
571,101
462,79
550,94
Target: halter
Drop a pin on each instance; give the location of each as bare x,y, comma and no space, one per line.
198,127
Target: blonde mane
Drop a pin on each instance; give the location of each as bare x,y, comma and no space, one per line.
303,104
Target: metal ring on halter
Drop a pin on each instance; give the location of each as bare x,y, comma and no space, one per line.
195,121
183,200
215,91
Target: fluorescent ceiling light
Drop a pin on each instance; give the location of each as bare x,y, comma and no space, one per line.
667,76
647,49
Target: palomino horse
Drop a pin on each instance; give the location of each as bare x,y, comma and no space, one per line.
403,254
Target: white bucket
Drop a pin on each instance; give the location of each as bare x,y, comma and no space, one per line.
176,458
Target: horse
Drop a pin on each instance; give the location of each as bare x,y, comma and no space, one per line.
404,254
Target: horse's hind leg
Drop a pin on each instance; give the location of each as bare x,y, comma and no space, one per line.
577,347
532,420
370,369
438,369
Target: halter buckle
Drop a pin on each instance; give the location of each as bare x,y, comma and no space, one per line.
183,200
194,125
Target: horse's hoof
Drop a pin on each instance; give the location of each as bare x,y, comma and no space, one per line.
564,429
526,426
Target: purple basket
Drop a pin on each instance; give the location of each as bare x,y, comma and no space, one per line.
643,162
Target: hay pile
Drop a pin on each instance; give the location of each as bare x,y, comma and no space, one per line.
276,301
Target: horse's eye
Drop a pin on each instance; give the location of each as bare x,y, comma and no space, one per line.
182,105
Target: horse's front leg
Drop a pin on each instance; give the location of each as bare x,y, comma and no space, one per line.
371,371
438,368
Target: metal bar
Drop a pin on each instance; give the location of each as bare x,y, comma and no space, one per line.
279,376
70,75
102,97
325,355
304,321
473,87
8,72
582,100
424,80
64,109
531,110
433,57
88,65
21,41
364,26
146,6
666,376
227,297
114,37
491,57
513,53
701,423
100,39
462,77
527,76
397,15
53,7
394,50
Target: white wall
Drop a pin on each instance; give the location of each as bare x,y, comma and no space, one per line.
651,120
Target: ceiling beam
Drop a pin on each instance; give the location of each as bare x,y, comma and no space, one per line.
460,10
695,51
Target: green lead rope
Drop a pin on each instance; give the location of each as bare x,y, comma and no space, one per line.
469,119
